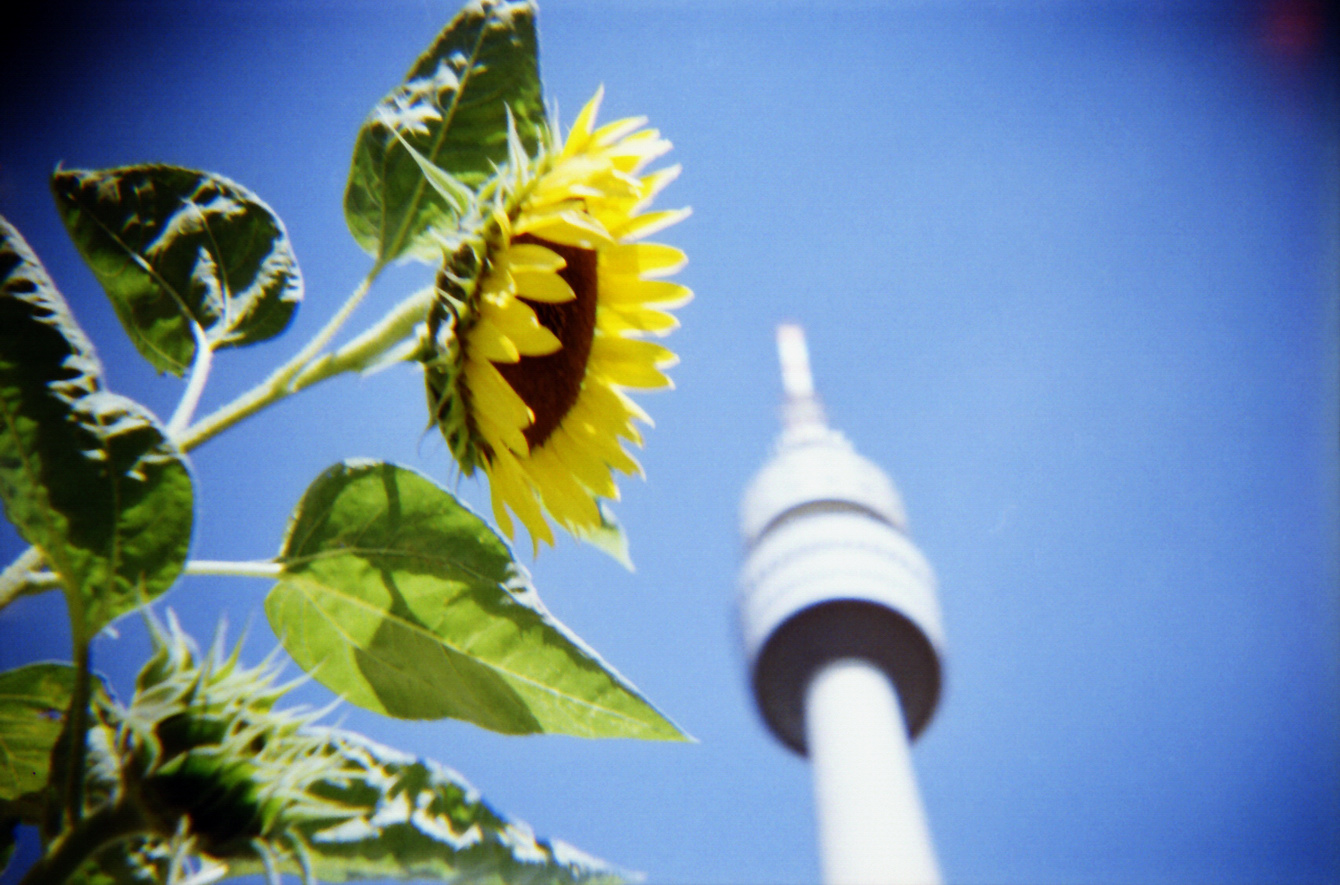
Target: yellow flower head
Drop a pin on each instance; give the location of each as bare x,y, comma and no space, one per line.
543,325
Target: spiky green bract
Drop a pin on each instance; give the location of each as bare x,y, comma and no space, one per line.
220,783
440,351
209,760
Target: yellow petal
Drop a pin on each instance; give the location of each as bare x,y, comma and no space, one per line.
629,361
634,411
499,435
642,259
618,185
606,447
610,411
496,284
542,286
612,132
517,321
608,421
488,341
582,463
636,375
655,182
628,290
491,393
566,227
500,514
571,178
636,151
649,223
533,257
616,319
580,135
516,491
563,496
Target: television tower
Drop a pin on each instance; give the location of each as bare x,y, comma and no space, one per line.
843,636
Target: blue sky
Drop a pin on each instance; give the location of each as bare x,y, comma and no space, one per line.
1068,272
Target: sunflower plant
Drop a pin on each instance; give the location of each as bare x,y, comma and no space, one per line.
546,303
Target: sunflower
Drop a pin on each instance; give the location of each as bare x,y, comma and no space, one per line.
542,325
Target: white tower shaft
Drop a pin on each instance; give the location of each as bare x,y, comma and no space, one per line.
872,828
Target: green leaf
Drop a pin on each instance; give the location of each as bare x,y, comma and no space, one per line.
453,109
174,246
414,819
86,476
404,602
33,700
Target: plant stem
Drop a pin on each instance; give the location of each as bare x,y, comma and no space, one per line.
308,367
234,569
35,581
363,350
76,719
102,828
16,578
333,326
195,386
278,385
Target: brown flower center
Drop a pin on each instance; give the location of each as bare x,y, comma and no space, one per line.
550,384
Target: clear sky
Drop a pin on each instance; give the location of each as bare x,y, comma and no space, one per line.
1068,273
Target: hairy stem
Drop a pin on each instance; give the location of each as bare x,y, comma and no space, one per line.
195,385
102,828
269,570
16,578
360,353
278,385
42,581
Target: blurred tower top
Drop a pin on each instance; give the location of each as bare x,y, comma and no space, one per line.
814,467
829,570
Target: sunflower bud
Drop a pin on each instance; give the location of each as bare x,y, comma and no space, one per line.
204,753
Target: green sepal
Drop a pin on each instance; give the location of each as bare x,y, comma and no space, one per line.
609,537
202,750
450,318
